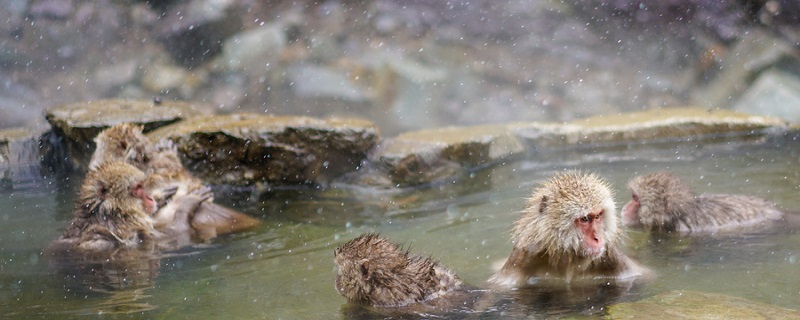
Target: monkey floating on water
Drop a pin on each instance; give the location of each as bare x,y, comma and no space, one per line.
111,241
568,231
376,272
662,202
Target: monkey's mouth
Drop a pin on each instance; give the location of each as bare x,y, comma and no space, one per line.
594,253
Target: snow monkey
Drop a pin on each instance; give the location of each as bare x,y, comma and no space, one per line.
568,230
662,202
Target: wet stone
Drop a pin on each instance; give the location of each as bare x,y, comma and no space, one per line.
674,124
19,157
698,305
537,135
75,125
774,93
426,156
246,149
193,31
754,52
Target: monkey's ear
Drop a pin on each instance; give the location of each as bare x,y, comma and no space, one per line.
365,271
102,191
543,204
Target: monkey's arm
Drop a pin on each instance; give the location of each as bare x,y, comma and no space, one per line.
212,219
177,232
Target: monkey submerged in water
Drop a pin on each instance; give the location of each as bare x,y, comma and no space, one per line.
376,272
568,230
111,241
167,177
662,202
114,211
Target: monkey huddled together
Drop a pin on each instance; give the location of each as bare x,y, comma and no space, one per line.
136,201
568,231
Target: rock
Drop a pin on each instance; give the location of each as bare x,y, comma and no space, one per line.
682,304
20,158
161,78
193,31
255,49
538,135
672,124
414,70
426,156
312,81
75,125
57,9
245,149
774,93
108,77
755,51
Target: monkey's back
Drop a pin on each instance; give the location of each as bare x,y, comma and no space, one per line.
718,212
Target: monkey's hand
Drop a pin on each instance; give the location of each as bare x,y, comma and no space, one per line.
163,195
189,203
203,193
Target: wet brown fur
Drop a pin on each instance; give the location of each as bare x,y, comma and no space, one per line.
668,204
376,272
108,216
548,244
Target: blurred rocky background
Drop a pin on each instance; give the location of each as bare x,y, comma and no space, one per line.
403,64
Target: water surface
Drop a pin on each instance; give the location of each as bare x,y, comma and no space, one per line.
284,269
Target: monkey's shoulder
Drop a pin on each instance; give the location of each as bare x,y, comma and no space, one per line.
713,212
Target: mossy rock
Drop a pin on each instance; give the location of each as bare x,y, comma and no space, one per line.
248,148
75,125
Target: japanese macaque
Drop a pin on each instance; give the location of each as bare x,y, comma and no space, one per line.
373,271
114,211
662,202
111,241
568,230
168,178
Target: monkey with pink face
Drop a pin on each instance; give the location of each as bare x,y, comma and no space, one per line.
167,179
568,230
662,202
111,241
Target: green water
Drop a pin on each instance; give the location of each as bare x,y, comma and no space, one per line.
284,269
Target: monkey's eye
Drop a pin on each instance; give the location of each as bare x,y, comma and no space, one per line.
600,214
585,219
635,197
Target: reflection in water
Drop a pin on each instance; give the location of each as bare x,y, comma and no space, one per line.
556,298
125,302
104,272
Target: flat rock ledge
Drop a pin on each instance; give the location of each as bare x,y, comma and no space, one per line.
76,124
426,156
674,124
698,305
244,149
